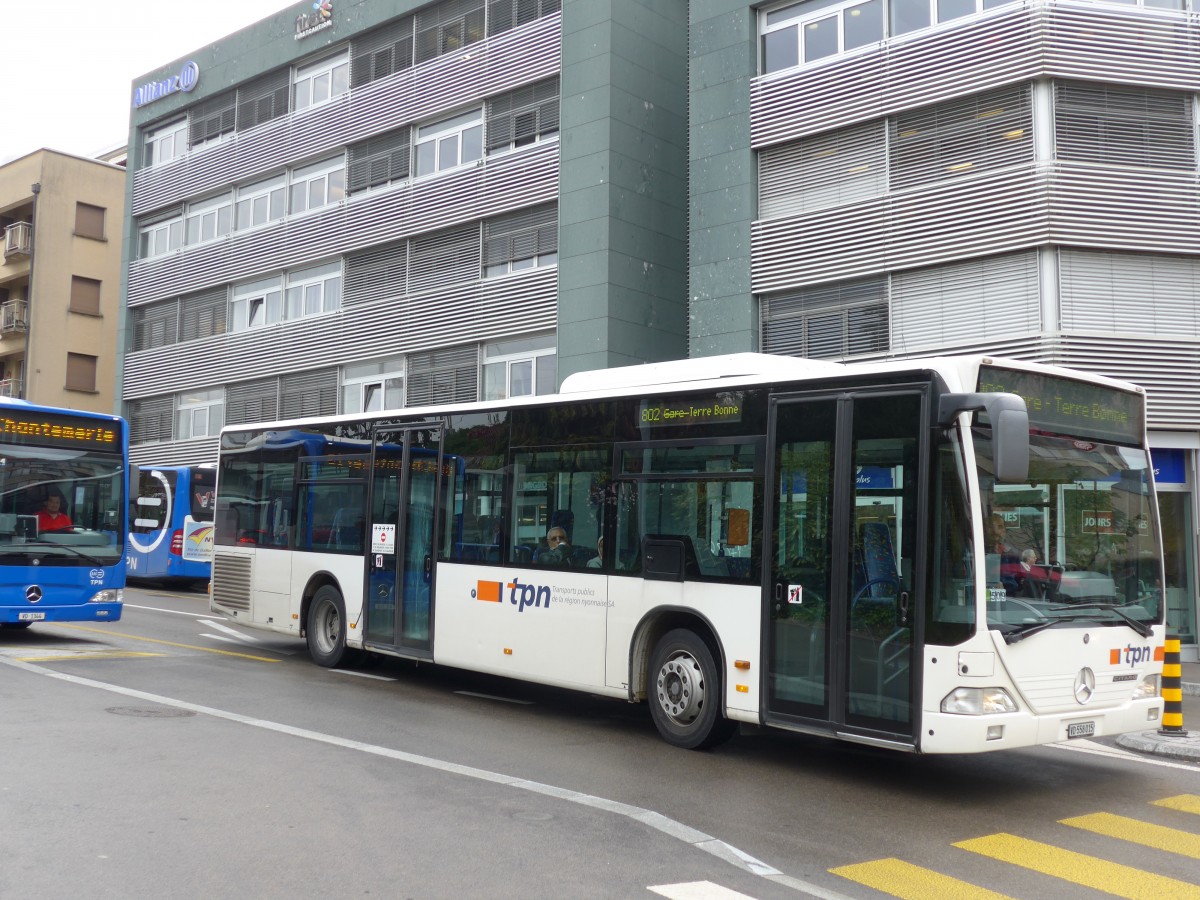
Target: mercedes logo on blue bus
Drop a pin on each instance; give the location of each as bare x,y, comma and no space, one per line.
33,593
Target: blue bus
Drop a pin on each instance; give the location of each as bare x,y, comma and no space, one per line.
63,499
171,524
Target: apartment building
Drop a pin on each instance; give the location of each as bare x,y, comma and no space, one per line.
60,279
365,205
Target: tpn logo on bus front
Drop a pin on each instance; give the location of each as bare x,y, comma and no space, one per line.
519,595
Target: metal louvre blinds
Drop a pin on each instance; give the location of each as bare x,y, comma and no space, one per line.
376,274
211,118
202,315
1123,125
993,298
155,325
151,420
824,170
380,160
504,15
450,375
523,114
252,401
444,257
828,322
264,99
175,453
1128,293
381,52
961,137
312,393
448,27
521,235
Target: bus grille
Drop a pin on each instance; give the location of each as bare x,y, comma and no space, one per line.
231,581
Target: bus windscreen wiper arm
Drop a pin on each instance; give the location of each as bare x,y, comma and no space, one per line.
1136,624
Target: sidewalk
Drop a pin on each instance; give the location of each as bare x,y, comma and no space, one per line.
1187,746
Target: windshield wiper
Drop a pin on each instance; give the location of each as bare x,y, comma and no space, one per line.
70,548
1020,632
1136,624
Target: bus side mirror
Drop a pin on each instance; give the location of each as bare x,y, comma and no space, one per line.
1009,418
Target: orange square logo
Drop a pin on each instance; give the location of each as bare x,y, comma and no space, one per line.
1160,654
488,591
1114,657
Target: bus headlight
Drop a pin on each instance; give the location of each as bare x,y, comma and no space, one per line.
965,701
111,595
1148,689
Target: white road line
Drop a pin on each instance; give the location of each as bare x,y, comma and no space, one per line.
697,890
174,612
225,629
361,674
657,821
494,697
1115,753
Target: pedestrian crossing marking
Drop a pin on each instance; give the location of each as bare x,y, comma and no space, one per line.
697,890
1147,834
902,879
1078,868
1188,803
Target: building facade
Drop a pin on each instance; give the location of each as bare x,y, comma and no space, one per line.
367,205
60,279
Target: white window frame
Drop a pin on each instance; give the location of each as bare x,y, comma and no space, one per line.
503,358
314,291
199,414
256,305
209,212
537,261
268,198
166,142
321,81
439,146
160,238
327,178
363,381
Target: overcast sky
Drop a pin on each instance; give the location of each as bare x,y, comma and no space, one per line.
69,64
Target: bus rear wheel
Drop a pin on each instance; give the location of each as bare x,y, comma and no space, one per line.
326,631
685,692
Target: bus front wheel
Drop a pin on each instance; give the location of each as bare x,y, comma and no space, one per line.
326,631
685,692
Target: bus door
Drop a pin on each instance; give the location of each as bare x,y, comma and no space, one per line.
405,488
844,544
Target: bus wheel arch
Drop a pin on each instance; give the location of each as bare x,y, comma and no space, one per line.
323,614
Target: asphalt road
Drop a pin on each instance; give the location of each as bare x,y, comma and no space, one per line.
175,755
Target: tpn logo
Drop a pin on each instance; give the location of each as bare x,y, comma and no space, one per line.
519,595
1134,655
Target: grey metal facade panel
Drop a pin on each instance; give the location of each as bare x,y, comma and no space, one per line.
1125,209
500,184
451,315
175,453
1017,42
496,64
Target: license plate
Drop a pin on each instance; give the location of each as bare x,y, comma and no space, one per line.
1081,729
31,617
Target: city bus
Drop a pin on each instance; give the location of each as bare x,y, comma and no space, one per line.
170,525
63,500
835,549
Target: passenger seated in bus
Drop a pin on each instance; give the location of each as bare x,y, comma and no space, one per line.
597,561
558,548
51,516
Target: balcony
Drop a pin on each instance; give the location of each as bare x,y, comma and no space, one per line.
10,387
14,316
18,240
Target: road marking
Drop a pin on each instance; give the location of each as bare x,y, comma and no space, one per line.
134,637
647,817
1147,834
225,629
361,674
697,890
1188,803
1116,753
1077,868
174,612
84,654
494,697
903,879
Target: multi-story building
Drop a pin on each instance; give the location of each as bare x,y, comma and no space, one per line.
367,205
60,279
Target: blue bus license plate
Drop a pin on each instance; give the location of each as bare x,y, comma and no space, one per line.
1081,729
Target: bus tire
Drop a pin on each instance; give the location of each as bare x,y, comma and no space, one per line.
326,631
685,692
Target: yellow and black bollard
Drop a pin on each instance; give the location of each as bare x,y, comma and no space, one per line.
1172,691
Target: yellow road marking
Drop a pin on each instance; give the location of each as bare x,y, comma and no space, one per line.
1188,803
134,637
1145,833
902,879
1100,874
99,654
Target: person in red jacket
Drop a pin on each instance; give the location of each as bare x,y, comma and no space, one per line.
51,517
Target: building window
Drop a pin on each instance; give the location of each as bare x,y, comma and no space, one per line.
448,27
450,143
155,325
318,185
321,81
373,386
81,372
504,15
828,321
380,161
212,121
520,367
209,220
161,237
258,204
524,116
166,142
149,420
1125,126
85,296
522,240
314,291
89,221
255,305
200,414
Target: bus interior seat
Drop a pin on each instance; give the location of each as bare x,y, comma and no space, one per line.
880,573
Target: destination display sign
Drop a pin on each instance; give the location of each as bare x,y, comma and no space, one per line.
1068,407
724,408
41,429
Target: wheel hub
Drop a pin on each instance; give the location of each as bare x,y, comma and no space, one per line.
680,686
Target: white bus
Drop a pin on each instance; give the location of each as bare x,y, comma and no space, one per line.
948,555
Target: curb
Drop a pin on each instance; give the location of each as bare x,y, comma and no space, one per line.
1184,746
1191,689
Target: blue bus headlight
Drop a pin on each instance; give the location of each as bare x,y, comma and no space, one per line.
1148,689
111,595
966,701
